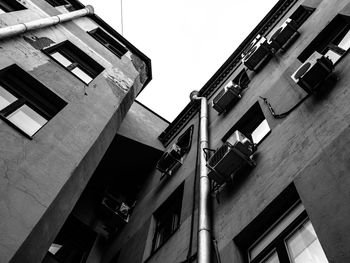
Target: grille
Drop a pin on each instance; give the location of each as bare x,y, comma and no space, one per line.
218,155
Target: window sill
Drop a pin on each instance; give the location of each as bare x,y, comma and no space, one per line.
158,248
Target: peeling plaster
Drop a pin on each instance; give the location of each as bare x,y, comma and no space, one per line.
118,79
38,42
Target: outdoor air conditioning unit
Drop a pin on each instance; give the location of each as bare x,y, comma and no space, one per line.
258,53
170,160
230,158
284,35
119,210
226,97
313,72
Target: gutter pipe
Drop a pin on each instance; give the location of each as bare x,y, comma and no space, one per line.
44,22
204,218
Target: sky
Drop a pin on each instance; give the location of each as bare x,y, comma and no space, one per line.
186,40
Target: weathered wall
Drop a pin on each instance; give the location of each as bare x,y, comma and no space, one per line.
142,125
41,179
307,148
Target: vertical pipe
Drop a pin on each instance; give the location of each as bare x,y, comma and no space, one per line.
204,222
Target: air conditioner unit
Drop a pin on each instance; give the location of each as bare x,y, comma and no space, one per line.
226,97
282,36
119,210
258,53
230,158
170,160
313,72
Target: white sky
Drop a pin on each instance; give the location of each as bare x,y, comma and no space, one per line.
187,41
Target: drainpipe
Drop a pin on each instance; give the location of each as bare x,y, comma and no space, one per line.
44,22
204,222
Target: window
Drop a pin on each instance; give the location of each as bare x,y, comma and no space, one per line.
108,41
333,41
281,233
172,158
242,79
58,2
167,218
10,6
75,61
292,239
25,103
301,14
253,125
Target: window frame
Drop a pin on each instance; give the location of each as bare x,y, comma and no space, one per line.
301,14
108,41
244,125
163,213
11,6
30,92
326,40
77,57
55,3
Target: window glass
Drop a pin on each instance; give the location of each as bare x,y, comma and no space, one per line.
332,55
2,11
273,258
261,131
6,98
304,247
27,119
61,59
275,231
345,42
82,75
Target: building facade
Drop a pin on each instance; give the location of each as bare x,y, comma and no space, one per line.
67,82
280,186
84,186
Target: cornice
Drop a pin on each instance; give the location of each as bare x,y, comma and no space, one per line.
221,75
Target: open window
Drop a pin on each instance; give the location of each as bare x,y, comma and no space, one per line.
167,218
281,233
25,103
108,41
75,61
171,160
252,125
10,6
333,41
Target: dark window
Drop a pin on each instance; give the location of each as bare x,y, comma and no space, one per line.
253,125
301,14
58,2
185,140
242,79
9,6
333,41
281,233
25,103
167,218
109,42
75,61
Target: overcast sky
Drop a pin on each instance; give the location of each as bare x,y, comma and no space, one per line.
187,41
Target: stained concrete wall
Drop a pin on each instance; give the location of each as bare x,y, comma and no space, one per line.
42,178
307,148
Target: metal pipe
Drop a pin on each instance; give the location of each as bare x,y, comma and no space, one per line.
44,22
204,218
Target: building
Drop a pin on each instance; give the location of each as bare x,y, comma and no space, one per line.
277,156
67,80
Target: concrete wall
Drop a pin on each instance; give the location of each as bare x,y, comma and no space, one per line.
142,125
41,179
308,148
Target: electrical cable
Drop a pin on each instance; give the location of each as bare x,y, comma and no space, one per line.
284,114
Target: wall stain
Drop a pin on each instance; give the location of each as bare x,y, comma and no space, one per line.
38,42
